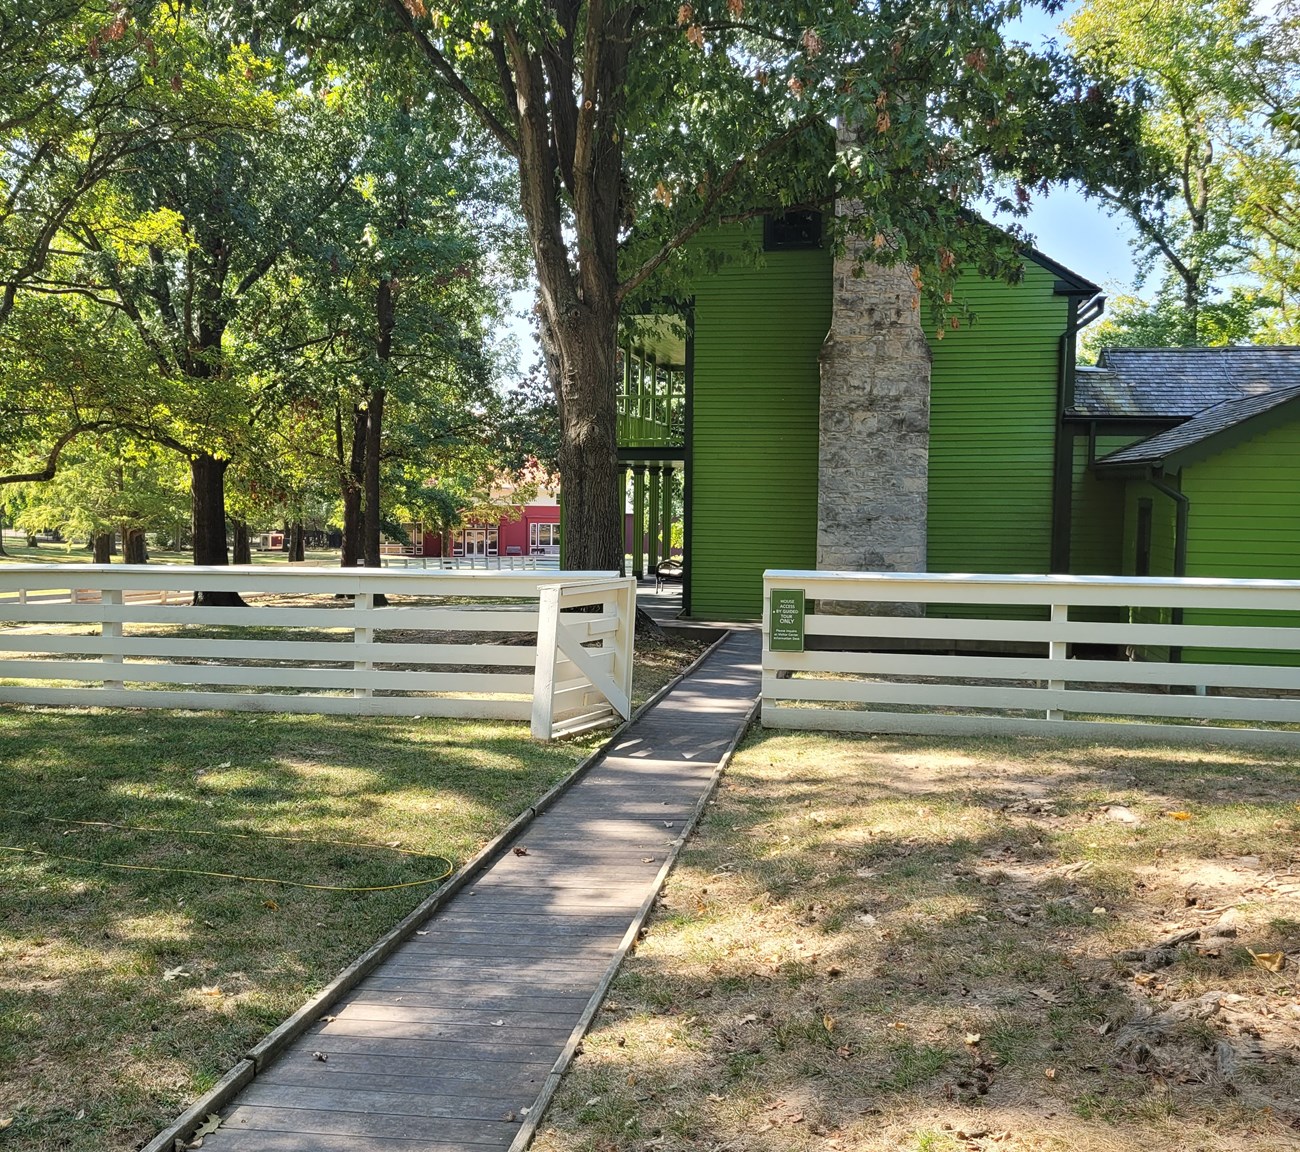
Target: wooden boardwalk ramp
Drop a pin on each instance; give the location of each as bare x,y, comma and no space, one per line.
458,1038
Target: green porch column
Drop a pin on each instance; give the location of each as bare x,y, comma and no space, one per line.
638,520
653,532
667,521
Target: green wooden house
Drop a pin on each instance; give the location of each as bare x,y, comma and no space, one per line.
811,424
812,420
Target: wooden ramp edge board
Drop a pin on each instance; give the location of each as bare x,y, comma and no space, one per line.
223,1093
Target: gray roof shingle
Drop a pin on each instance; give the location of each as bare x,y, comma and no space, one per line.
1208,424
1155,383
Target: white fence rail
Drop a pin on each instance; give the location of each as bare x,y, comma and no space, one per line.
314,640
921,657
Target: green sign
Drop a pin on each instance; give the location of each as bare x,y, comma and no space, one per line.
787,620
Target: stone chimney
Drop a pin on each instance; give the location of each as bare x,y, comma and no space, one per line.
874,423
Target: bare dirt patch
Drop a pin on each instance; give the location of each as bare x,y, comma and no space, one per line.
907,944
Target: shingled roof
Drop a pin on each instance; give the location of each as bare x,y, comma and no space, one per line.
1179,445
1172,383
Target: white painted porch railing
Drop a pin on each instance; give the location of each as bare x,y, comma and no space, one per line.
836,685
117,640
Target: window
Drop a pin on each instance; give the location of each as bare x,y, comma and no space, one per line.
544,537
792,230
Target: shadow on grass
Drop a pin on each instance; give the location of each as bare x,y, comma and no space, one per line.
896,943
124,993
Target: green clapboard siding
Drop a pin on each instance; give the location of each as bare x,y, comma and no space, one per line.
758,334
992,427
993,385
1244,521
1097,511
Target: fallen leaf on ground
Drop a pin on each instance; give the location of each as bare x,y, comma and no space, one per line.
973,1038
1269,961
1050,1073
210,1124
828,1022
1180,815
271,904
6,1122
210,990
520,850
175,973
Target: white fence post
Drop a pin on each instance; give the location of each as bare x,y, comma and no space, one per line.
1056,653
111,629
363,601
548,650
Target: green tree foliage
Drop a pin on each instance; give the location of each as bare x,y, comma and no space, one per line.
635,129
1218,209
377,338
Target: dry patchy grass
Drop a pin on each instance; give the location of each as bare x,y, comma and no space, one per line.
879,943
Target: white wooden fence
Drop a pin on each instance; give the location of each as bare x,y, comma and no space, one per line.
313,640
894,670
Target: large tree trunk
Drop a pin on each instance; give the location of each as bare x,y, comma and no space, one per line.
353,486
297,547
133,546
240,549
581,356
370,516
208,487
102,546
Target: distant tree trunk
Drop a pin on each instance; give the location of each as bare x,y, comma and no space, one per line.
208,485
32,542
370,516
102,546
2,535
297,542
353,468
133,546
241,550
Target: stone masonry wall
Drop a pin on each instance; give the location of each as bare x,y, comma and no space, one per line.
874,425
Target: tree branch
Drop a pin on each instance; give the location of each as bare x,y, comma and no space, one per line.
454,79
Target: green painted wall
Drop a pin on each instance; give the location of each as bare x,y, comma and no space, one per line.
1244,522
992,427
758,334
1096,511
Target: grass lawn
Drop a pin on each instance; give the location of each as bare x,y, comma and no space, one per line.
888,943
124,994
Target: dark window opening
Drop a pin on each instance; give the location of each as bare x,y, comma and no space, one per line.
1142,562
792,230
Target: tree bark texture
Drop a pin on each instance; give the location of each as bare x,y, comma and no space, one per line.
353,488
208,487
384,321
240,549
133,546
102,546
297,548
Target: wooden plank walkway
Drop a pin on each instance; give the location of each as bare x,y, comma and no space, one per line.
448,1043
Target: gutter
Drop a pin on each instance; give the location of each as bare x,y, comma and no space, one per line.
1079,317
1182,507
